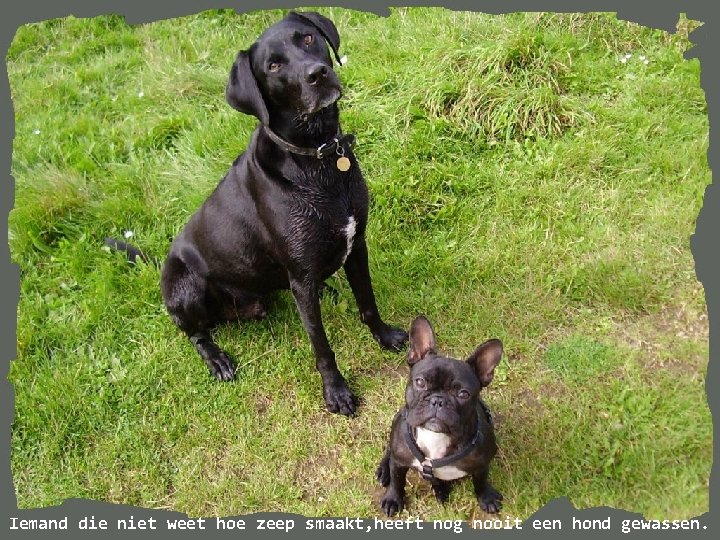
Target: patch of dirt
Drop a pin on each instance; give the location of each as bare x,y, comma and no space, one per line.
262,403
674,339
315,472
662,338
389,370
526,402
528,399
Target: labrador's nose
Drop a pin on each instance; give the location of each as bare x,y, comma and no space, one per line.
316,72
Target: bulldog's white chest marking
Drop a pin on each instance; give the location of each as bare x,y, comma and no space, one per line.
434,445
349,231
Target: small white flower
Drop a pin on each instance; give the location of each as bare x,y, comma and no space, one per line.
642,57
646,62
623,60
343,60
141,94
36,132
628,56
129,234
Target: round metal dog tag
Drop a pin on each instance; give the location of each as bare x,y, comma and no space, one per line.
343,163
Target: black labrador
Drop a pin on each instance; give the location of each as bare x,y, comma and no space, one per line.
290,212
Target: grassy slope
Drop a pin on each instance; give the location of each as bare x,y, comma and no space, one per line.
526,184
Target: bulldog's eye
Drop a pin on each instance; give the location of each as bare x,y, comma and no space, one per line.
420,383
274,66
463,394
308,39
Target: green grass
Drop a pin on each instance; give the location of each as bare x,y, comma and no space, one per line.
526,184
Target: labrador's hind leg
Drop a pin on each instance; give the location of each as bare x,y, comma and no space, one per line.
186,297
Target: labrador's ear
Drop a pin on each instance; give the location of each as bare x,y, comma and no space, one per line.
242,91
324,25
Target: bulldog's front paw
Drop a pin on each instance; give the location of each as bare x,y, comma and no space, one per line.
490,500
391,503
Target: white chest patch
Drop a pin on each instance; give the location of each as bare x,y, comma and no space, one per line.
349,231
434,445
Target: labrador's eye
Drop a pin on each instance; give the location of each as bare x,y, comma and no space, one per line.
420,383
308,39
274,66
463,394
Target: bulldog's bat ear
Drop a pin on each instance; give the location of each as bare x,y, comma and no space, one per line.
422,340
242,91
485,359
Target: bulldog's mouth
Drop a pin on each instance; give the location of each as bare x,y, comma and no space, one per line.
433,424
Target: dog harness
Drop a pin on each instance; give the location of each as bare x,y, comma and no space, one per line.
429,464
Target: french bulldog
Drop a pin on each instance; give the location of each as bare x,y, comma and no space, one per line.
445,430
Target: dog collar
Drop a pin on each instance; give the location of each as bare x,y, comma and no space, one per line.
337,145
429,464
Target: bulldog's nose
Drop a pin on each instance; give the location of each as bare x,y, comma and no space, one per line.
437,401
316,72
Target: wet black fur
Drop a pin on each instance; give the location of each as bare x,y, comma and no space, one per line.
277,219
